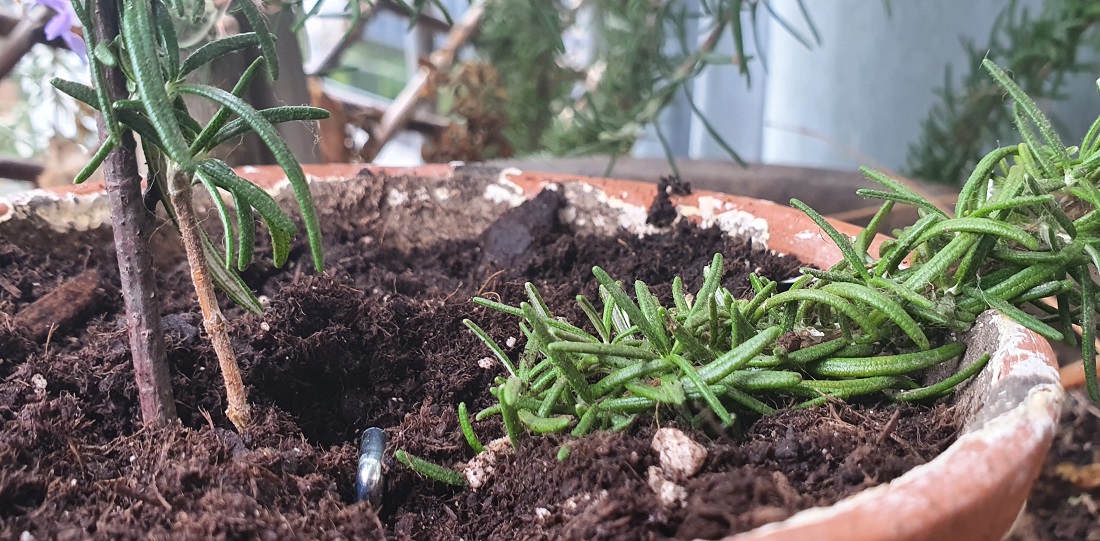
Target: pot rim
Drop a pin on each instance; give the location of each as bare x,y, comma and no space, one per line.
988,469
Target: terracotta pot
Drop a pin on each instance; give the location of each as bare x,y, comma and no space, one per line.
972,491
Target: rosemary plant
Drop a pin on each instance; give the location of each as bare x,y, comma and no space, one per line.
1026,228
1040,50
145,49
633,74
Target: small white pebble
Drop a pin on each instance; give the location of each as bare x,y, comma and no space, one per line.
511,341
133,458
264,326
486,362
480,468
26,536
39,382
542,513
72,482
668,492
681,457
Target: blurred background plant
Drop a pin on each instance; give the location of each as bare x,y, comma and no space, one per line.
759,81
35,116
1042,50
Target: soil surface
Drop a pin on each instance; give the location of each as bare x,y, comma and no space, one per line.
377,340
1064,505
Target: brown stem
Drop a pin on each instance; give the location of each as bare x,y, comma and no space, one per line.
23,37
132,225
8,25
179,192
17,169
331,59
398,114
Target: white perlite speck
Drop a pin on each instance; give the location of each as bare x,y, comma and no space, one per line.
668,492
396,198
480,468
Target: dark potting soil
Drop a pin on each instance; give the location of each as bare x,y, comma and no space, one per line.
378,341
1064,504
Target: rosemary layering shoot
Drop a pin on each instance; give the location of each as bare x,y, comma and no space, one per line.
1026,228
139,84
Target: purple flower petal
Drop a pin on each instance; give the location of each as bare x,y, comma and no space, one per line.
57,27
76,45
61,26
59,6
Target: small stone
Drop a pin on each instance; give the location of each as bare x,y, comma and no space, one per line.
486,362
542,513
681,457
39,382
668,492
26,536
480,468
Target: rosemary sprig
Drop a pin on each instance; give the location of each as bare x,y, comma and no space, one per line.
1029,219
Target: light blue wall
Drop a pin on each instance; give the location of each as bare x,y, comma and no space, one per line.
860,97
857,99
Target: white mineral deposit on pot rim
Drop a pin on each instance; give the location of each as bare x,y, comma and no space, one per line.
736,222
504,190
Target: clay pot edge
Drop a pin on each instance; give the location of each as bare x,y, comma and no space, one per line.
1026,422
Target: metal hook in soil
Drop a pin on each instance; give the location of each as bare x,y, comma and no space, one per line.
368,478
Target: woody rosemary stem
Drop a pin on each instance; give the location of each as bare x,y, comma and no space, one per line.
179,192
131,226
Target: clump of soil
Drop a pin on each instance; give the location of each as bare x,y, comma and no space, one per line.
1060,507
662,212
378,341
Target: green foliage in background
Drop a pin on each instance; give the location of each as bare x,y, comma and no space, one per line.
601,105
1040,50
527,61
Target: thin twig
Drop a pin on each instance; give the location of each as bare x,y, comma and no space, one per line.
17,169
332,57
889,428
397,115
179,190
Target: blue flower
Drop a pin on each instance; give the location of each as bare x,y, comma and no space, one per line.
61,26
